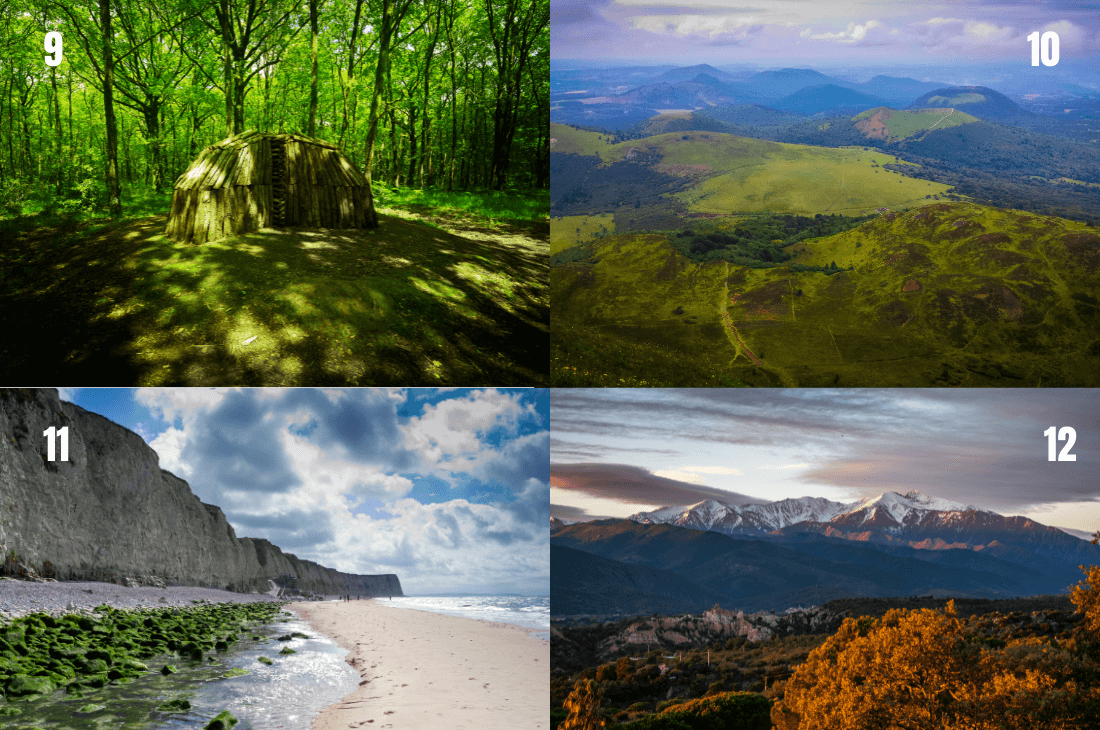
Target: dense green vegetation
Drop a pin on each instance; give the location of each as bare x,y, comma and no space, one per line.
443,106
762,241
951,294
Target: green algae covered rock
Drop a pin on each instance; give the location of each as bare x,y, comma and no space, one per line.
236,672
223,721
175,706
264,660
92,708
287,650
168,669
25,686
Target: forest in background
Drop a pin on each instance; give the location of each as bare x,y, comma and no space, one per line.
418,93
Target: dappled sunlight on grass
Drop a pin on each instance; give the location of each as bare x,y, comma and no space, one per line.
438,288
287,307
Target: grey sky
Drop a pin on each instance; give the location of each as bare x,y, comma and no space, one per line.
984,447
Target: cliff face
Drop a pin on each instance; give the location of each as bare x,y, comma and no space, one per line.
111,513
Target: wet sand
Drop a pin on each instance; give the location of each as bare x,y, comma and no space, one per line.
425,670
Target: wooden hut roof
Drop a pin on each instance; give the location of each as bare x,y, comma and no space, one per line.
245,159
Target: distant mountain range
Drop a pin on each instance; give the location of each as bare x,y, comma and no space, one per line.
807,551
828,98
913,519
792,89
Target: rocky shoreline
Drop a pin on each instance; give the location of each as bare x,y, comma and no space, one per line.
20,598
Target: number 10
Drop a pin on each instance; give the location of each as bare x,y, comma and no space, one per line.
64,434
1048,44
1066,434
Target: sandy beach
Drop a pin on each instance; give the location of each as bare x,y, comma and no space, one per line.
425,670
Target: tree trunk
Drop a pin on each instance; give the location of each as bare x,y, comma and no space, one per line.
350,89
59,137
426,121
412,146
72,150
454,96
379,80
228,84
114,193
313,69
151,112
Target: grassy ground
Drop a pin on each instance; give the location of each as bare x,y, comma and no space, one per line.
948,295
902,124
438,294
569,230
569,140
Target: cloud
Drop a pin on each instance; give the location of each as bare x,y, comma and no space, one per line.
327,474
518,460
239,447
291,530
451,546
642,30
854,33
360,423
635,485
712,469
451,430
973,446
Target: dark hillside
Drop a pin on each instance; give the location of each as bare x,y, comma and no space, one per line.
583,583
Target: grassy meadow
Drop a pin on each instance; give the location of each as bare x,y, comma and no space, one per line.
450,288
570,230
947,295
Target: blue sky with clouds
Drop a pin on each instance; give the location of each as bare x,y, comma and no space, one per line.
789,31
448,488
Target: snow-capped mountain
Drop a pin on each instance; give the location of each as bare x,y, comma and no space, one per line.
912,520
889,509
752,519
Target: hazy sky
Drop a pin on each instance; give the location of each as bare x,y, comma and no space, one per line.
616,452
786,31
446,488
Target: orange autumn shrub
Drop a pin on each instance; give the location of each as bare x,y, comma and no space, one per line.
923,670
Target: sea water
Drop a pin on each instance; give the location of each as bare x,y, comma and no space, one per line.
529,612
285,695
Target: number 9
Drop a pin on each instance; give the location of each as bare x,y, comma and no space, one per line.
53,45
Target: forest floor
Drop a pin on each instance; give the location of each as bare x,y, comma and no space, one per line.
428,298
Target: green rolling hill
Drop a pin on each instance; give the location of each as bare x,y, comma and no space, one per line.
946,295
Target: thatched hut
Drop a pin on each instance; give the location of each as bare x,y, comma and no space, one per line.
261,180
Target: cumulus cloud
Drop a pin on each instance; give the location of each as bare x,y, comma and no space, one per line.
329,474
855,32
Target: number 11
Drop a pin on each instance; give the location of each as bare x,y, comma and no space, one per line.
64,434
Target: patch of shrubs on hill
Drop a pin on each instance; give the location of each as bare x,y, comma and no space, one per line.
729,710
762,241
582,253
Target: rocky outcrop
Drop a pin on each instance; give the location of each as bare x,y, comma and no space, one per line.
110,513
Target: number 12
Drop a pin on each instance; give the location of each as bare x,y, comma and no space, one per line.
1066,434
